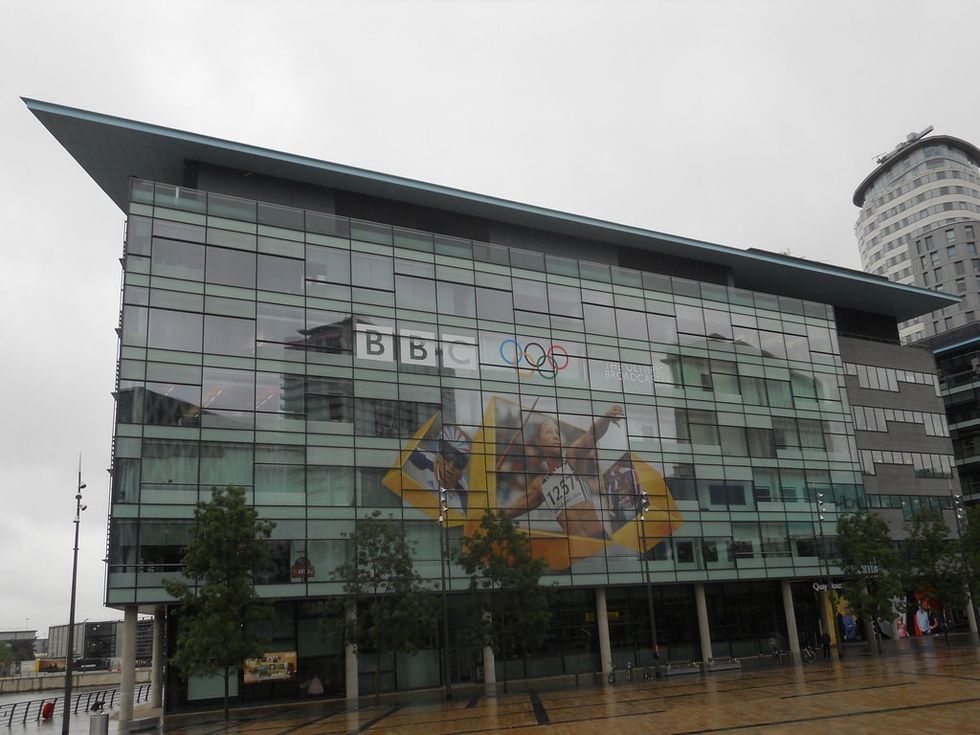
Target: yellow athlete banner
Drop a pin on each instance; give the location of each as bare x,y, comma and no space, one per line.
570,483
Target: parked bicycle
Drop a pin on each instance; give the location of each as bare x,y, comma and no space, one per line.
809,655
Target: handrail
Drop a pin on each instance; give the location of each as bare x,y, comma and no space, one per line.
92,700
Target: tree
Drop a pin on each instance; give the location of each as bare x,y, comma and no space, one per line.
869,561
970,547
933,568
507,583
218,614
395,612
6,656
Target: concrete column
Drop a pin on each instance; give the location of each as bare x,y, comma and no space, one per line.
489,672
969,613
126,686
156,670
350,662
791,633
829,617
602,623
703,630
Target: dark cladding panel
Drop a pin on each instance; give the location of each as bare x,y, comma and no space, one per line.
552,243
400,214
695,270
867,326
263,188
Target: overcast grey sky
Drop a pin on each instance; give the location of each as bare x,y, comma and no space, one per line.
743,123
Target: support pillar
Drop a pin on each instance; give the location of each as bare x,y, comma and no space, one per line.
350,662
602,623
703,630
792,634
126,686
156,670
489,672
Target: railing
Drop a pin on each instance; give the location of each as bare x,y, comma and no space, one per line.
93,700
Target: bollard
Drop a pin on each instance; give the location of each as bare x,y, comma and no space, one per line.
98,724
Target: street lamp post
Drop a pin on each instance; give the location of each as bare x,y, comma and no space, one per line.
823,546
959,511
644,507
445,571
70,653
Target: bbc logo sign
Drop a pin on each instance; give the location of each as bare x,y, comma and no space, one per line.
416,347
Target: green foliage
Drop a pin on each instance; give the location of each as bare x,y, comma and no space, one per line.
507,583
219,615
6,655
934,567
870,563
396,613
971,545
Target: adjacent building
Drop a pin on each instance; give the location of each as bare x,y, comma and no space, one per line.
920,212
920,215
342,342
98,643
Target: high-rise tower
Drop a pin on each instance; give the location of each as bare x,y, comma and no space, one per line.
920,214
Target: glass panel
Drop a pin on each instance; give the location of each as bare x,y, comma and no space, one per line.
175,330
280,274
225,335
230,267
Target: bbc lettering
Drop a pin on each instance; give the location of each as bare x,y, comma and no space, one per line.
415,347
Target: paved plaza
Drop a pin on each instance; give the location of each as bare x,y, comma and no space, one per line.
924,689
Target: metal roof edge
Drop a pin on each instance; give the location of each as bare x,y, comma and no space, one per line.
541,215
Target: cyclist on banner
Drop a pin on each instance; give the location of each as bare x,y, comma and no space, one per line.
570,479
446,468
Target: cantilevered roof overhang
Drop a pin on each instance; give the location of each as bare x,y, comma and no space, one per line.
112,150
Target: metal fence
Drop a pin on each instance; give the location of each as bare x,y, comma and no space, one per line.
94,700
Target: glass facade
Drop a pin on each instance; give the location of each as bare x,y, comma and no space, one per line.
336,367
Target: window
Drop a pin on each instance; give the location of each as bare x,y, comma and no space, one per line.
457,299
496,305
971,248
950,236
230,267
177,259
415,293
174,330
631,324
961,285
959,267
372,271
951,251
530,296
327,264
280,274
224,335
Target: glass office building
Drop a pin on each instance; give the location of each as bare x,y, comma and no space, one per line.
307,339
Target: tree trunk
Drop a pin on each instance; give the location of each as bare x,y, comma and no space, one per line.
227,674
503,651
377,679
869,633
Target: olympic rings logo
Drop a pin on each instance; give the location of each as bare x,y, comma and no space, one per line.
533,358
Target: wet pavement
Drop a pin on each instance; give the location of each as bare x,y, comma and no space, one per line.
924,688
